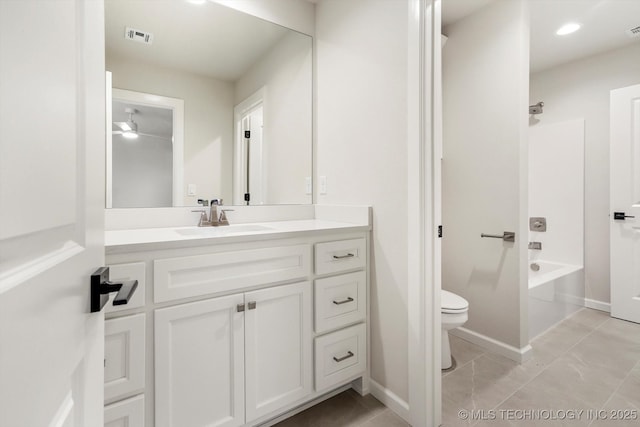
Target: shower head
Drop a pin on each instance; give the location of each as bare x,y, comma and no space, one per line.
536,109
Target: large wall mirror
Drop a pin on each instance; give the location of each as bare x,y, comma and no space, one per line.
207,102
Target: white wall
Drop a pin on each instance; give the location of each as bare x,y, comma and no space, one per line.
298,15
208,121
285,73
556,190
362,150
581,89
485,104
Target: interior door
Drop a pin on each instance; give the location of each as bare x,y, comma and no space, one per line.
249,175
51,211
625,203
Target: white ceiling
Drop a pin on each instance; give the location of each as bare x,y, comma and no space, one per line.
604,23
207,39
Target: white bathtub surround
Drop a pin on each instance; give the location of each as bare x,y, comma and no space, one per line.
556,192
555,292
556,189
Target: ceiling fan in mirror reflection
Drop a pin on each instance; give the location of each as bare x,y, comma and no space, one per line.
129,129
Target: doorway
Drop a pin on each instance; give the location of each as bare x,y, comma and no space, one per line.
250,176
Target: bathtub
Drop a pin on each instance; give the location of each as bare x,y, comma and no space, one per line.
555,292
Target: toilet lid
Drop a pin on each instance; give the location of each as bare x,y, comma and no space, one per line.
452,303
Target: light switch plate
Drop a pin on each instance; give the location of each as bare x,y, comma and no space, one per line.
191,190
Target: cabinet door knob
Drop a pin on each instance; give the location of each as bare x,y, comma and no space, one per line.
252,305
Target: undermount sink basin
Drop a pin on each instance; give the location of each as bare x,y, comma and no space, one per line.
223,230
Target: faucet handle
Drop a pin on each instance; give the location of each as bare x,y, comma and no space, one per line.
203,217
203,202
216,202
223,217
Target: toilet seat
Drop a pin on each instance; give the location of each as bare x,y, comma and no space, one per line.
452,303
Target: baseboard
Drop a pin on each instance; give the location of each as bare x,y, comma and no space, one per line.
516,354
390,400
597,305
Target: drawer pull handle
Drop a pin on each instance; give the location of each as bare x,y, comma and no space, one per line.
349,255
343,301
340,359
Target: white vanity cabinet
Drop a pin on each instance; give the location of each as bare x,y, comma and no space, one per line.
240,332
214,358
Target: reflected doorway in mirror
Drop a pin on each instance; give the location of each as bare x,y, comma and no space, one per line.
250,177
144,150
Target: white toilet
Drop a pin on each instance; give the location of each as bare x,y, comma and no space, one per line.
454,314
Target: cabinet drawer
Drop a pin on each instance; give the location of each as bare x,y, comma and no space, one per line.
191,276
340,300
123,356
129,412
342,255
340,355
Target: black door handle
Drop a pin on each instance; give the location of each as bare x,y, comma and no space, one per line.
621,216
101,287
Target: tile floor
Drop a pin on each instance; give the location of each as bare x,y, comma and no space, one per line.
347,409
589,362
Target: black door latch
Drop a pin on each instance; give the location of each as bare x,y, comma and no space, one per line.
621,215
101,287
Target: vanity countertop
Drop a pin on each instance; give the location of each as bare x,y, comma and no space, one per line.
174,237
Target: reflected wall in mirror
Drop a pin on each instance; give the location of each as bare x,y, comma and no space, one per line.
218,61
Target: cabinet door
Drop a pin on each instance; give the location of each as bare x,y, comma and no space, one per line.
124,354
126,413
278,347
199,370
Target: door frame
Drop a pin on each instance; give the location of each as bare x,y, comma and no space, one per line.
424,212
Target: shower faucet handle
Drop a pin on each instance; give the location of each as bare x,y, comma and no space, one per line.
538,223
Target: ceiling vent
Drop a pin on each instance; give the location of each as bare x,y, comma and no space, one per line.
633,32
138,35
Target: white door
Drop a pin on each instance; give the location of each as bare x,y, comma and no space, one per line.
625,203
255,159
249,175
199,363
277,347
51,211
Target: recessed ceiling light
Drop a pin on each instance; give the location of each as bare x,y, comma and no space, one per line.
568,28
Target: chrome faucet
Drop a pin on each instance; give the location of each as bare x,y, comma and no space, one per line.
213,220
213,212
